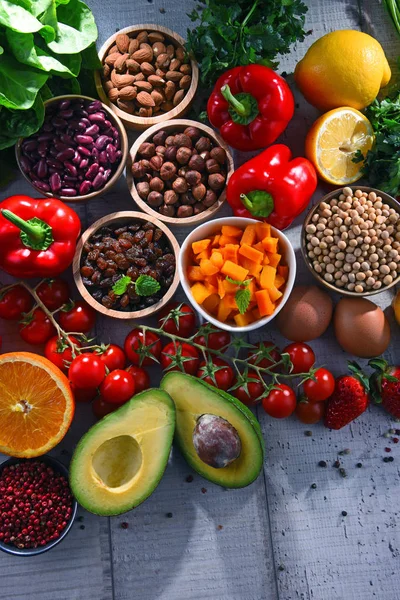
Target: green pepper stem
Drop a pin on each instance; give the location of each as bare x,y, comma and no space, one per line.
229,97
33,231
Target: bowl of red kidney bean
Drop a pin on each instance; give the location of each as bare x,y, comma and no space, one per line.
79,152
116,254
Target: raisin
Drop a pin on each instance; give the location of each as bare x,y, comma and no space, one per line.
110,255
101,263
98,295
139,235
134,227
107,282
87,271
158,235
120,230
125,244
94,254
147,226
140,262
109,272
96,277
107,302
149,235
133,273
87,246
124,301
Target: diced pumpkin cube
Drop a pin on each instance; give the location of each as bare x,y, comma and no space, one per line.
205,254
195,274
230,287
267,277
252,267
270,244
259,247
249,236
227,239
263,230
207,267
231,252
279,281
266,260
223,311
256,314
211,303
234,271
201,245
215,241
264,303
200,292
274,293
217,259
283,270
221,288
230,301
243,320
231,231
213,289
252,289
251,253
274,259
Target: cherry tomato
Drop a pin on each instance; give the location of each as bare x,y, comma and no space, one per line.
182,321
53,293
148,344
117,387
141,377
83,395
280,402
80,318
113,357
320,390
216,340
87,371
223,377
59,352
254,391
301,355
101,408
14,302
309,412
183,357
254,357
38,330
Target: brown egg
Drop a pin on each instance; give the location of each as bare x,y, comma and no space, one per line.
361,327
306,315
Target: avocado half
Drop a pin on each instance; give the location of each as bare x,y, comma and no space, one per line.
194,398
119,462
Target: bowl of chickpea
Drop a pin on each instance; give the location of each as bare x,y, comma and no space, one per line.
350,241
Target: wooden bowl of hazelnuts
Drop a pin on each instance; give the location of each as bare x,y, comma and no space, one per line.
177,171
147,76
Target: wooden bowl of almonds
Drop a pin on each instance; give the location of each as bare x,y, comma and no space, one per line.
147,77
350,241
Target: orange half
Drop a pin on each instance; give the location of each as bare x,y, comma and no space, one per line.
36,405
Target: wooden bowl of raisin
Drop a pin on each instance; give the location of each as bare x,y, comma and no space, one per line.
125,265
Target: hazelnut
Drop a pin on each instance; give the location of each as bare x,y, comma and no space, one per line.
198,191
197,163
218,154
184,211
156,184
156,162
212,166
210,198
160,150
170,140
187,198
138,170
182,139
183,155
147,150
143,189
204,143
170,197
205,155
180,185
160,137
198,208
216,181
145,164
155,199
193,132
167,211
170,153
168,170
193,177
182,171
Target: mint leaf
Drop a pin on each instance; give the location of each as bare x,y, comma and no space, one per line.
146,285
242,299
237,282
121,285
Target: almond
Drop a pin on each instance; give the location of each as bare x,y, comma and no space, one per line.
147,68
166,106
185,82
126,105
155,80
121,81
180,94
186,69
145,99
111,58
122,41
108,85
140,77
174,64
157,97
129,93
159,48
133,46
113,49
160,72
173,76
156,36
171,50
120,63
106,70
113,94
170,89
145,112
143,55
180,53
163,61
132,66
142,37
143,85
156,109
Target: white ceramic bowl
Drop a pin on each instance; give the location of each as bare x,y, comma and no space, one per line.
213,227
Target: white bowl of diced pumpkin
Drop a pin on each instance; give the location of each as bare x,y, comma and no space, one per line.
237,272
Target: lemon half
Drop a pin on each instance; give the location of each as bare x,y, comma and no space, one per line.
333,142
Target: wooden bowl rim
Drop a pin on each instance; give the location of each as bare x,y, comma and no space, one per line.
144,122
111,182
106,220
176,123
393,203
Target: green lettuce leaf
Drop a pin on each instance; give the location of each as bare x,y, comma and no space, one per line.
17,18
76,28
19,84
16,123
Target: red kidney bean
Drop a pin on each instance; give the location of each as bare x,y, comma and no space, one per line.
45,137
67,139
47,127
83,150
77,125
70,179
84,163
77,158
94,106
71,168
102,141
69,192
95,153
58,122
81,113
25,163
65,154
97,117
56,164
92,171
101,169
64,104
107,173
42,149
41,185
42,169
103,158
59,145
111,153
66,114
99,181
53,152
55,182
85,187
29,145
92,129
86,140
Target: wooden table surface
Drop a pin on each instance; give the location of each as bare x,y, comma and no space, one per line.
281,539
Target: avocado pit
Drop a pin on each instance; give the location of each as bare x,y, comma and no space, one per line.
216,441
117,461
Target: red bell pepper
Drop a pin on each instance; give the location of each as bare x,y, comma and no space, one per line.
37,237
251,106
272,186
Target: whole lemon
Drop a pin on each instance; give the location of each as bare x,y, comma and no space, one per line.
343,68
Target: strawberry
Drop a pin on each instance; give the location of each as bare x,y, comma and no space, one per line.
385,385
349,399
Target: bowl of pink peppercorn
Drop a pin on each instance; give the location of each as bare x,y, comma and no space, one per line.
37,508
79,151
